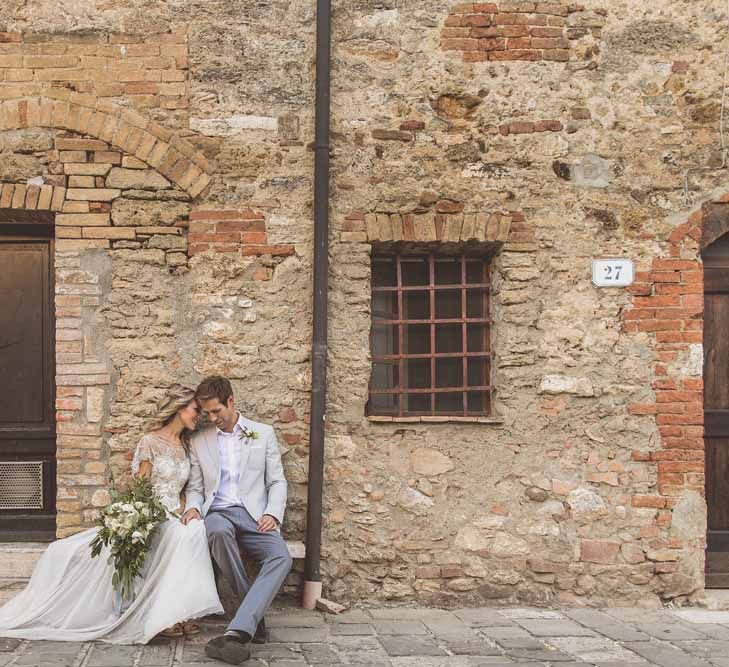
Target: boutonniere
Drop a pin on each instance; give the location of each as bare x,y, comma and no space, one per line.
246,433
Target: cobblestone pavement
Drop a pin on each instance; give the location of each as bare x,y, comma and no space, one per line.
410,637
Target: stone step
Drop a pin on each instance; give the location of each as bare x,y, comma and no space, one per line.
296,549
9,588
716,599
18,559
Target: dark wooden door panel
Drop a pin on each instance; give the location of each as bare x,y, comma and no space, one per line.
717,483
716,423
717,569
716,349
23,307
716,410
27,388
714,281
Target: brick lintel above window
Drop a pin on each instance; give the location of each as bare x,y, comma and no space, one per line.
431,226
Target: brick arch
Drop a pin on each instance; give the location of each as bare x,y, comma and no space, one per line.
83,229
703,226
714,221
97,175
167,152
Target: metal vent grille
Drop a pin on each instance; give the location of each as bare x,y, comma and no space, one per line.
21,485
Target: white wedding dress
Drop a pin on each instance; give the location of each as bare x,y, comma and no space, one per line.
70,597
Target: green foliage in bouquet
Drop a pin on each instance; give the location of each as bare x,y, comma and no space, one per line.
127,526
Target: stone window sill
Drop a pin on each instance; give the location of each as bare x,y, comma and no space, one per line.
434,420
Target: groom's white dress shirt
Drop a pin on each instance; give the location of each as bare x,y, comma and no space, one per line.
261,486
229,450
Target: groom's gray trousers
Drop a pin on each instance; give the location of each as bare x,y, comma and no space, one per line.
232,530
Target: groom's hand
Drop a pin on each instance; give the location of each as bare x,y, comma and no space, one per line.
267,523
190,515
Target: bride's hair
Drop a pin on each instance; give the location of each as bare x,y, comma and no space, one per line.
177,397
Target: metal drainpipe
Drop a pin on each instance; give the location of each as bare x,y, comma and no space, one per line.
312,574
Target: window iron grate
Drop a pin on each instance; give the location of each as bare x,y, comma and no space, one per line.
21,485
430,335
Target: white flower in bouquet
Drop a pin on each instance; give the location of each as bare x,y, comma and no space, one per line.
126,528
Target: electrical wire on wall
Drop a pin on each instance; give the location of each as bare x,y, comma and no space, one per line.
723,95
688,199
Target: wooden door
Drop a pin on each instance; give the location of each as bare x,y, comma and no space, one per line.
27,388
716,409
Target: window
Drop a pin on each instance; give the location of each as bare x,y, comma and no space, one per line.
430,336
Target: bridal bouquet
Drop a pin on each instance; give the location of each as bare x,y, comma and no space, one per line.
126,527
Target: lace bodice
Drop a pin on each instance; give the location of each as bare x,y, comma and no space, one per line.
170,468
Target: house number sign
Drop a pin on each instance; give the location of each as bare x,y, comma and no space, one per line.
612,272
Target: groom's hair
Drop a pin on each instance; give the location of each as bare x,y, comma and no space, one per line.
215,386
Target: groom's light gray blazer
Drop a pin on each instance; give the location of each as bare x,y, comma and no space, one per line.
262,486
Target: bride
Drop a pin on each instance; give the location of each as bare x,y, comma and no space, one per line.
70,597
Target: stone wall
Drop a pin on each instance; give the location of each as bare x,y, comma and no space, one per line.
576,495
550,134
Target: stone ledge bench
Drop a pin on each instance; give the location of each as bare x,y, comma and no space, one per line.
297,549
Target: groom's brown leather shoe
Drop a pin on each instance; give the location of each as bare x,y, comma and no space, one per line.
261,636
231,649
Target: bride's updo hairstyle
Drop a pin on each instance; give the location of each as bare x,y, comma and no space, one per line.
178,396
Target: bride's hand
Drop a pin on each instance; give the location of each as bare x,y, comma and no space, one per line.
190,515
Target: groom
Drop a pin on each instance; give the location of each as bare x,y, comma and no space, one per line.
237,484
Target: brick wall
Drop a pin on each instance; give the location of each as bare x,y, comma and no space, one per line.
83,379
95,177
141,72
505,31
667,304
240,231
